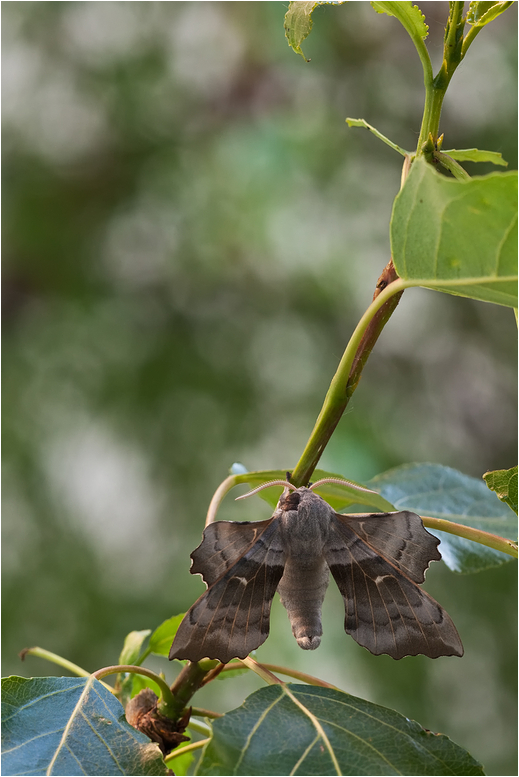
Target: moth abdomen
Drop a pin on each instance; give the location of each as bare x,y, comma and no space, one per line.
302,589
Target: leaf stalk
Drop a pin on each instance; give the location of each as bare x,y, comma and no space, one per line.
169,706
186,749
60,661
469,533
261,671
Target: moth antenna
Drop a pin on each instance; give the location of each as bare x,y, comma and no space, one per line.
341,482
284,483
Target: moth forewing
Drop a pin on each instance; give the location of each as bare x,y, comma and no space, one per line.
232,617
223,544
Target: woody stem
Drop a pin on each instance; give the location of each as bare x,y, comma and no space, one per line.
190,679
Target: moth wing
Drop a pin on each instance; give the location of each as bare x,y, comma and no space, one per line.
232,617
223,544
401,538
377,562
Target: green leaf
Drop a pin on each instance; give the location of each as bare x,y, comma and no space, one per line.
299,729
140,682
481,13
504,483
298,22
132,646
408,15
126,682
70,726
162,637
338,496
442,492
459,237
475,155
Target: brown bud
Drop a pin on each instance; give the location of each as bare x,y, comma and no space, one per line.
142,714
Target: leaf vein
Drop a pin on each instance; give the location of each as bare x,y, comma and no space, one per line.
317,726
254,729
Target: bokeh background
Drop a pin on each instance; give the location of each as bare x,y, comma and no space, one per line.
190,234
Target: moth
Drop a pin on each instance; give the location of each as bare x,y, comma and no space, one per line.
377,560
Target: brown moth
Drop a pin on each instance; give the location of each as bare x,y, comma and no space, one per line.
377,561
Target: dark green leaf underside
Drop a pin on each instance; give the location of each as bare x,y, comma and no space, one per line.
70,726
441,492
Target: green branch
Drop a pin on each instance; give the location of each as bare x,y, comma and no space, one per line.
435,88
341,388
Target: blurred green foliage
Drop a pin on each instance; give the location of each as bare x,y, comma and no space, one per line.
191,233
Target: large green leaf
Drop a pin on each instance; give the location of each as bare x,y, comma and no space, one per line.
299,729
456,236
70,726
442,492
